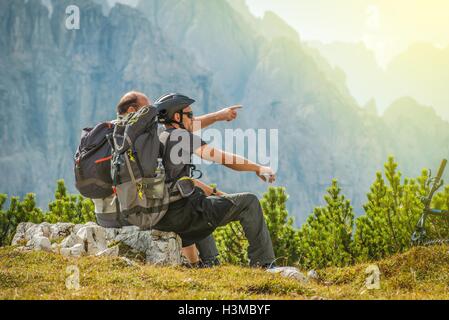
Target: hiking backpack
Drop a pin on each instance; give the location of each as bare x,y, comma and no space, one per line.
93,162
142,196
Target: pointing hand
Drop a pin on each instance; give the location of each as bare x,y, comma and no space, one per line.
228,114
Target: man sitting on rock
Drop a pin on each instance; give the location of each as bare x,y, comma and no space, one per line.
196,217
133,102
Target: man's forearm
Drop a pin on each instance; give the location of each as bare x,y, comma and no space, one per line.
206,120
238,163
229,160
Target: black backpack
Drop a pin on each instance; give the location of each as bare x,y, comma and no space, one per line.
93,162
139,180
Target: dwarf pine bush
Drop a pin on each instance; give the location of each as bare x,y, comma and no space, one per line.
18,212
69,208
232,244
283,234
326,238
391,214
330,236
65,208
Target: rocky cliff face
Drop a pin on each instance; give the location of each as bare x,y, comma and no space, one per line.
55,81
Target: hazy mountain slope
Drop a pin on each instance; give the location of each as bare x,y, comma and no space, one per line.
360,66
422,72
420,134
322,132
55,81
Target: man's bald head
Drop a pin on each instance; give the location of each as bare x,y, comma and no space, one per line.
132,102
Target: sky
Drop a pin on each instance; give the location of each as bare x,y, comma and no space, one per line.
388,27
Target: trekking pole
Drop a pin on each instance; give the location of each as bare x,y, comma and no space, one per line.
419,236
437,183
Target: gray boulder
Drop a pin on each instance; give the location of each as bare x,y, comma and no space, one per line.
71,241
39,243
94,239
159,248
109,252
289,272
76,251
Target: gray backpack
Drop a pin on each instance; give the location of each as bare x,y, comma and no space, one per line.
142,196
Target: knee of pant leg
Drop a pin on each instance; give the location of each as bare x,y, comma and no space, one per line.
250,197
253,200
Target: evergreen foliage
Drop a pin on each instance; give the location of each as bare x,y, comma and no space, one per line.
391,214
325,239
18,212
330,237
65,208
69,208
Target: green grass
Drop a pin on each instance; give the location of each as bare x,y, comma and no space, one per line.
422,273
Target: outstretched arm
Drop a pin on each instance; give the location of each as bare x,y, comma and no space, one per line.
235,162
226,114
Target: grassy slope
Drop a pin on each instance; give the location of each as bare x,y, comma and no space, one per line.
422,273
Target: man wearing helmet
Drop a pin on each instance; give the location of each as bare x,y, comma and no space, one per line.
132,102
195,217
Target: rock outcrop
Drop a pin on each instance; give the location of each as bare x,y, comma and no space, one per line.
154,247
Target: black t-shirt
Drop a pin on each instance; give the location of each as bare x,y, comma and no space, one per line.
196,217
180,146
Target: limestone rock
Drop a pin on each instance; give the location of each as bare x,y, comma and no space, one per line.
110,252
60,230
94,238
289,272
39,243
160,248
26,231
71,241
313,275
75,251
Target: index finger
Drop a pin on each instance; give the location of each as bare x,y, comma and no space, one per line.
236,107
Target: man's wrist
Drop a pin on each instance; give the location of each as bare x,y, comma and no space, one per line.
216,116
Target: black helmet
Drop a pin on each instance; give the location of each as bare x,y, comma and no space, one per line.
168,105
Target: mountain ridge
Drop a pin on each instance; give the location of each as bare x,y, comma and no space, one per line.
62,81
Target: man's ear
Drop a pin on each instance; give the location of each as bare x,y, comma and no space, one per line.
131,110
177,117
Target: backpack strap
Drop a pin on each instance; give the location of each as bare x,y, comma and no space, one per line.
163,138
136,157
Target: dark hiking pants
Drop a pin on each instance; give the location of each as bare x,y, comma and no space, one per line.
247,210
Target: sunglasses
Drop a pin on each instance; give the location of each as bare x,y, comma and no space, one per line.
188,114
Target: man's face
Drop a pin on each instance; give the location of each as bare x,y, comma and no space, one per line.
187,118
